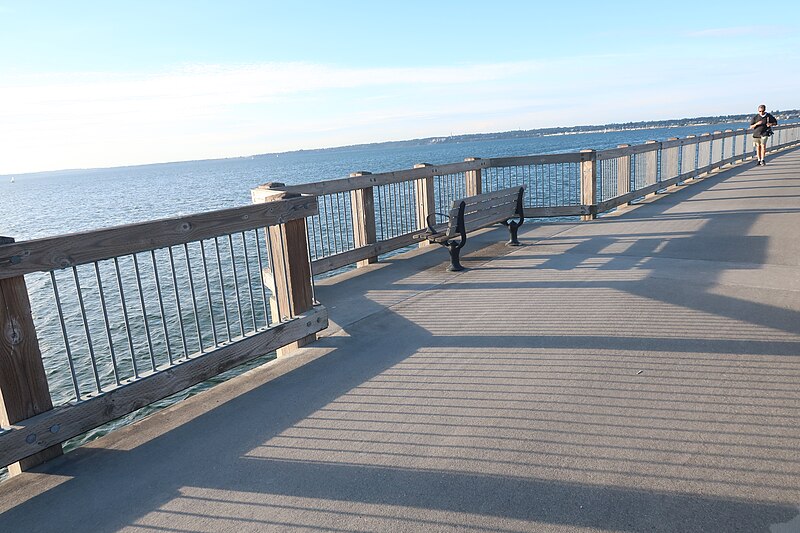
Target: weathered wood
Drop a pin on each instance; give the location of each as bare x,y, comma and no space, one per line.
80,248
321,188
546,159
23,383
52,427
362,204
639,193
473,180
557,211
290,264
425,199
588,180
332,262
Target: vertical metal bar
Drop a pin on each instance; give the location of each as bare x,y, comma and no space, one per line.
194,296
144,313
161,306
86,329
313,287
127,320
236,285
222,288
178,302
261,278
208,293
250,279
105,320
396,209
66,337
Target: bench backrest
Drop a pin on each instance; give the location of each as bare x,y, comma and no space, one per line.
484,209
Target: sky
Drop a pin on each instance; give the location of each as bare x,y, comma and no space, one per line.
87,84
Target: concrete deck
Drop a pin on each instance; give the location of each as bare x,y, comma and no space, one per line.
636,373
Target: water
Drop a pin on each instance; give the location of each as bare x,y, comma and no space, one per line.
53,203
47,204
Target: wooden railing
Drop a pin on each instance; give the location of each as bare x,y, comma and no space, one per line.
366,215
136,313
139,312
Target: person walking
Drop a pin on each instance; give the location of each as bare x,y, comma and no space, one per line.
761,125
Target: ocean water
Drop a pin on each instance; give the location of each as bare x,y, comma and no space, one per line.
53,203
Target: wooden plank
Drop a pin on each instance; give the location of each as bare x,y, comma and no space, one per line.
489,195
509,198
332,262
321,188
23,383
362,202
546,159
52,427
78,248
558,211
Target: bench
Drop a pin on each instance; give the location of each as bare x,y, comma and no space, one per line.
476,212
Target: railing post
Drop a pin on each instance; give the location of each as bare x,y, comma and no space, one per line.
289,264
362,203
624,172
589,183
424,194
23,382
473,179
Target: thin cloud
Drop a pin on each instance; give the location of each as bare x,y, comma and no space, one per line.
739,31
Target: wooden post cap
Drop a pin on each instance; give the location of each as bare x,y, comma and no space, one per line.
360,173
422,165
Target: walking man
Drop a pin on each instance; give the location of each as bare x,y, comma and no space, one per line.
761,125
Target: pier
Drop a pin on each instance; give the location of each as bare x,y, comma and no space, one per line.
633,368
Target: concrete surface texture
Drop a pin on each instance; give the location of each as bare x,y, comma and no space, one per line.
636,373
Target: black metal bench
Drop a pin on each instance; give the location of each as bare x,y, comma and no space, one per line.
475,212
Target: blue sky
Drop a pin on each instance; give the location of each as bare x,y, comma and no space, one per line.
95,84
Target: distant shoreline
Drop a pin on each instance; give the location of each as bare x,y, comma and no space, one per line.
468,137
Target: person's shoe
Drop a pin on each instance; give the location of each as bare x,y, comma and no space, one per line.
760,162
763,162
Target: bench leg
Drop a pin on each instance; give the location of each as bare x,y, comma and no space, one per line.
455,251
513,227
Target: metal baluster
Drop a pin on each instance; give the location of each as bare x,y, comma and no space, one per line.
222,288
66,337
208,293
144,312
105,319
261,278
86,329
161,306
194,296
178,302
236,285
250,280
341,207
312,227
125,317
